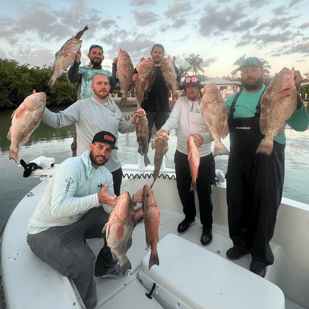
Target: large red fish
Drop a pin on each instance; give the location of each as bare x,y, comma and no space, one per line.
66,55
144,79
142,134
125,71
194,161
215,114
119,229
160,144
25,119
278,103
152,221
169,76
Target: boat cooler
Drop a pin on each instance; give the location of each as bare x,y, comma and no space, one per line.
190,276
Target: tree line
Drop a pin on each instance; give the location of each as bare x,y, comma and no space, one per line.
18,81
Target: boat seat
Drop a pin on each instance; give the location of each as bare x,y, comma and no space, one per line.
191,277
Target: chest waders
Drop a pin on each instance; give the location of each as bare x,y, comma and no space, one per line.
254,187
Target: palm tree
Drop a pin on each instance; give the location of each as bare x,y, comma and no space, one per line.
239,60
183,71
265,65
195,63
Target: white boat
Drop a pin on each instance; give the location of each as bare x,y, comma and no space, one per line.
189,275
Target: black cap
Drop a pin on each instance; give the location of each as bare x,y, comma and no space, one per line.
95,45
250,62
105,137
191,81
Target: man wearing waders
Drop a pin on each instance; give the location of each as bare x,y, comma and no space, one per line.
255,181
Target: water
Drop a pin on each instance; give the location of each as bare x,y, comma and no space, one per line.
56,143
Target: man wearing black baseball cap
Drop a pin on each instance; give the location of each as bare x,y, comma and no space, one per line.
254,181
71,211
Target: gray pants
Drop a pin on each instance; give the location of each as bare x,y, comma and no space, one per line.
64,249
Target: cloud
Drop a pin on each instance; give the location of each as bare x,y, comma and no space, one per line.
293,3
142,2
304,26
257,3
113,38
208,62
247,24
224,20
144,18
107,23
282,23
280,10
177,9
302,48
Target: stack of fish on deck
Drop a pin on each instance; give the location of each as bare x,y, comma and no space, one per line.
278,103
215,114
66,55
25,119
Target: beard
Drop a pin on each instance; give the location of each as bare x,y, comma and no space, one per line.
95,62
95,161
254,86
101,95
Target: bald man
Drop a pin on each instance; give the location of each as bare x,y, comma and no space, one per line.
92,115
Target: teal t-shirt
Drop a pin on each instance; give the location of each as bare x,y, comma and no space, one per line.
246,107
88,73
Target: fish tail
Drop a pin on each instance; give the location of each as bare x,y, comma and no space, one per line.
146,160
123,99
125,263
13,153
266,146
52,81
154,259
220,149
193,186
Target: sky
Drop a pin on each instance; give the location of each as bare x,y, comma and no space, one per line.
220,31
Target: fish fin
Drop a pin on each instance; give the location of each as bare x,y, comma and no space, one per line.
9,134
115,258
153,146
165,150
119,232
129,244
154,259
26,139
266,145
220,149
146,160
52,81
139,215
13,153
104,229
125,263
193,186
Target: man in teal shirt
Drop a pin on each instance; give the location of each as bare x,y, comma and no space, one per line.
255,181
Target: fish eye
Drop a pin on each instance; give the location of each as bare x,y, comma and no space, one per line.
147,195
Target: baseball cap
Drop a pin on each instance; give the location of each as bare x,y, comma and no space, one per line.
105,137
249,62
190,81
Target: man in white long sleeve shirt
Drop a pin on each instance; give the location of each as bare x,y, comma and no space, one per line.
71,211
186,113
91,116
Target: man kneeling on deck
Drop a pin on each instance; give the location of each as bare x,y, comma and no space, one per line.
71,211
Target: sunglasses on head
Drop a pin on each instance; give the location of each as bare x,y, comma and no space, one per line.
95,45
191,79
251,61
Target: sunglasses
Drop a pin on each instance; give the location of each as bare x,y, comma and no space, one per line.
191,79
251,61
95,45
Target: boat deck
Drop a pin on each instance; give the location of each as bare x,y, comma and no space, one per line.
108,287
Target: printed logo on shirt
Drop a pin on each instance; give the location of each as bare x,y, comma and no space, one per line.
197,111
100,186
68,181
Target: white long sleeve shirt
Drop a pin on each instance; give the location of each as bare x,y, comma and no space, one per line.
70,193
188,116
91,117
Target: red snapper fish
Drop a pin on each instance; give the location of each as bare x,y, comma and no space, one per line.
215,114
152,221
160,144
278,103
66,55
194,161
142,134
144,79
125,71
119,229
169,76
25,119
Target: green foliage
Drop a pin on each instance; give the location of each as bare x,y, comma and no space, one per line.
18,81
